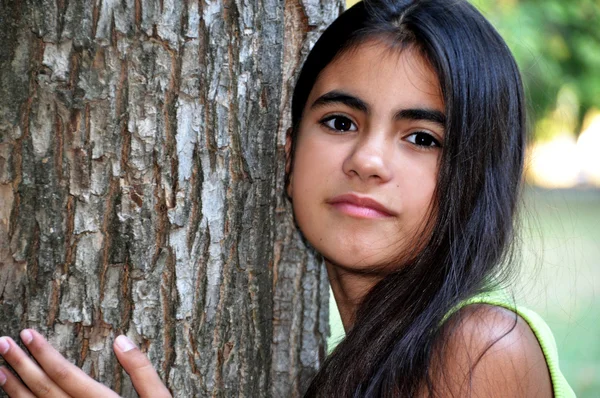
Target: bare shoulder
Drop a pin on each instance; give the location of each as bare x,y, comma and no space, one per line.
489,351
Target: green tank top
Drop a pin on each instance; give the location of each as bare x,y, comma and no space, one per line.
542,332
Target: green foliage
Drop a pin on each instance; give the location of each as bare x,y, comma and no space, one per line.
557,46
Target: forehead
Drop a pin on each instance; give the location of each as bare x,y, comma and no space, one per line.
382,76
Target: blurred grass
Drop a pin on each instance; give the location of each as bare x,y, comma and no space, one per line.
559,279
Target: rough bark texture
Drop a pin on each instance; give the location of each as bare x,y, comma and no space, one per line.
141,189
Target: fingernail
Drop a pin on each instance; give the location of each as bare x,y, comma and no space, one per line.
4,346
124,343
2,377
26,336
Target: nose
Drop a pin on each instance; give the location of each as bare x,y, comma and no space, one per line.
369,160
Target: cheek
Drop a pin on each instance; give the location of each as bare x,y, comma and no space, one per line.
308,177
315,164
416,189
312,182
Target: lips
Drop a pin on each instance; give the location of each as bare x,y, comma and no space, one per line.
360,206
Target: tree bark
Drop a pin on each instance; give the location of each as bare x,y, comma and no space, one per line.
141,189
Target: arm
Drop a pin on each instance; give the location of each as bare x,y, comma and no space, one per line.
57,377
489,351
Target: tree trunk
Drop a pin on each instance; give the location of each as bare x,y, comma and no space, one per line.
141,189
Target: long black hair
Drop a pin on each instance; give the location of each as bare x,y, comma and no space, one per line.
388,350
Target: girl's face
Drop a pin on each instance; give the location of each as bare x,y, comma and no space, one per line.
366,158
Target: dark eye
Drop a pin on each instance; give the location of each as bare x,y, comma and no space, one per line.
423,139
339,123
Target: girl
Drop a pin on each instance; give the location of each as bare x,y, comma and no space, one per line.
404,168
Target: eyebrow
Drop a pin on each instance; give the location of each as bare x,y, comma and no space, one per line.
430,115
340,97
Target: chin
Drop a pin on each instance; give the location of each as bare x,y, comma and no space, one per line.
357,261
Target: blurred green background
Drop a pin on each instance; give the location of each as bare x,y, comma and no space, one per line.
560,277
557,46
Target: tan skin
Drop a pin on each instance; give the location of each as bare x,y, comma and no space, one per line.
54,376
375,158
363,177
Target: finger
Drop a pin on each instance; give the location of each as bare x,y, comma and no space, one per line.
140,369
67,376
32,375
13,386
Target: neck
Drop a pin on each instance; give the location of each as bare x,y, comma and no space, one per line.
348,289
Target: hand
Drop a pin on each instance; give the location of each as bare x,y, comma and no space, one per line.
57,377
